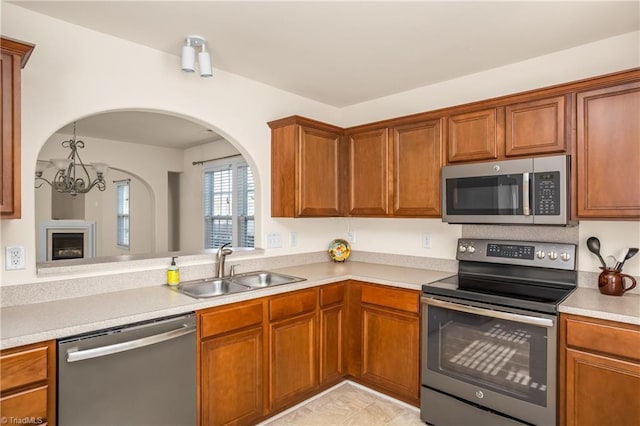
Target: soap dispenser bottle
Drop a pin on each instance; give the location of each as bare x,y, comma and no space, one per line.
173,273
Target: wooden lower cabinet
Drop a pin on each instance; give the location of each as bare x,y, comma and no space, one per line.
27,384
331,334
600,372
390,351
293,371
387,335
293,349
231,362
259,357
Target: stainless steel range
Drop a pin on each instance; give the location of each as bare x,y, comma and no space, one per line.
489,334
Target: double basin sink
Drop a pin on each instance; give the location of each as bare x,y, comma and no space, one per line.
211,287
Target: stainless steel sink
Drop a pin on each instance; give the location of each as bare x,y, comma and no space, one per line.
260,279
210,287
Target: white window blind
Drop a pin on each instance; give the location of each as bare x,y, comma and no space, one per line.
122,207
228,200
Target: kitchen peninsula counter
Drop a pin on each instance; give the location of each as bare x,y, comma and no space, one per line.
30,323
25,324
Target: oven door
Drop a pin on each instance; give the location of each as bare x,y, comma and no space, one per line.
503,361
496,192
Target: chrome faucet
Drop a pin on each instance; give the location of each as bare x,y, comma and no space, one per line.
220,257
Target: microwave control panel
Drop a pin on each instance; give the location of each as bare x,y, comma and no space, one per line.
547,193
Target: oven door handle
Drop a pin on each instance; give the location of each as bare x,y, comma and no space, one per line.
525,319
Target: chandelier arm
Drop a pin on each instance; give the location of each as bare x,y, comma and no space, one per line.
43,181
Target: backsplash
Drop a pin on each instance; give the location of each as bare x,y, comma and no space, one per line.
551,234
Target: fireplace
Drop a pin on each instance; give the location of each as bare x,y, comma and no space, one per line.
66,239
67,245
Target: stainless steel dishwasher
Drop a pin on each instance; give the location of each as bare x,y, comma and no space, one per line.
138,374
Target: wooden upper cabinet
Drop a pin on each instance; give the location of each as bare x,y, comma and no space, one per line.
368,173
536,127
416,150
475,135
307,169
14,56
608,152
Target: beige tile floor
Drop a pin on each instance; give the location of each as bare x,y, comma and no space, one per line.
349,404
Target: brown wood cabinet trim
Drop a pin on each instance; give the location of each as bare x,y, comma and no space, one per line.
304,121
17,47
589,83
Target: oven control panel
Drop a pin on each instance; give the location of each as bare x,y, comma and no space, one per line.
527,253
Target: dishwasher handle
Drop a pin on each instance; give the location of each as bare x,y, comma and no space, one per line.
75,355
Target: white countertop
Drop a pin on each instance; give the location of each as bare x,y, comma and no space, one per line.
591,303
24,324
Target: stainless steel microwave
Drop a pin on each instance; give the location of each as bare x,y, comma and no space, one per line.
527,191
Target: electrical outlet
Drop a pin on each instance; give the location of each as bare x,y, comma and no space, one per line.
15,258
426,240
351,237
274,240
293,239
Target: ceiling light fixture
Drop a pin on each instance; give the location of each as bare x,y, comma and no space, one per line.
188,56
65,179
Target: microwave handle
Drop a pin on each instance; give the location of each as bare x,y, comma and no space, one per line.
526,210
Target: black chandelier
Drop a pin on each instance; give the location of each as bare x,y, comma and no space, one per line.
72,176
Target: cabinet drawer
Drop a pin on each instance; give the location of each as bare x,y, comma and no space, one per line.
331,295
606,337
27,404
391,298
23,368
292,304
233,317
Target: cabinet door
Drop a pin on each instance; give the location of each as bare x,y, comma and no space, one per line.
368,173
417,159
293,372
331,344
608,151
13,57
232,378
475,135
390,352
601,390
536,127
318,173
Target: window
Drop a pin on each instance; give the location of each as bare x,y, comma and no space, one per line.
229,201
122,207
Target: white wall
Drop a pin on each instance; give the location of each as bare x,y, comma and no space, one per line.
75,72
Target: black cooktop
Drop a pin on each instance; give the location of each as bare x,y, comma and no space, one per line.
510,293
528,275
